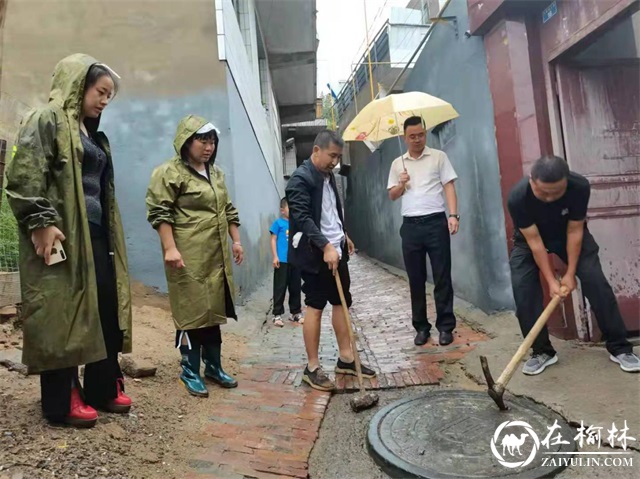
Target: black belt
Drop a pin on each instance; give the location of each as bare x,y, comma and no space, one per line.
424,219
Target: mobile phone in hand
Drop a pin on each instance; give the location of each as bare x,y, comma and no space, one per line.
57,253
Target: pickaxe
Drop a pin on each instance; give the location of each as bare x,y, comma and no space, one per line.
496,389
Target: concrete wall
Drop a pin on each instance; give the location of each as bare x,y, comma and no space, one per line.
453,69
255,195
622,42
138,149
167,55
244,68
156,46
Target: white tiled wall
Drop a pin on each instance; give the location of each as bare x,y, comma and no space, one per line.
237,45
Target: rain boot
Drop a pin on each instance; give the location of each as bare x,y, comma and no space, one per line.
190,376
80,414
122,403
213,366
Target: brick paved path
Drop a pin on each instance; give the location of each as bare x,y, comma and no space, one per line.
267,426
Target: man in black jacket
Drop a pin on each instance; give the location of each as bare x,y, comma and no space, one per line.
316,243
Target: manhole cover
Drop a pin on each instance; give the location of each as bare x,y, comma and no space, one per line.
459,434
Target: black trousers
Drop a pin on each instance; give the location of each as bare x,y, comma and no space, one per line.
200,336
528,295
287,277
422,236
100,378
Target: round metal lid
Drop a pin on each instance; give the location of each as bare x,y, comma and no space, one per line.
450,434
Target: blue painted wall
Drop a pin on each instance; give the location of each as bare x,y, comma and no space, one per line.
141,133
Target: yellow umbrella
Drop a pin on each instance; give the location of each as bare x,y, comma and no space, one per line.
383,118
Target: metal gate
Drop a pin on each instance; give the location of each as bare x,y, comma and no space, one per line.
600,109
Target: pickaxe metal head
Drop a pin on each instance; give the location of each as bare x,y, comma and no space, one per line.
495,390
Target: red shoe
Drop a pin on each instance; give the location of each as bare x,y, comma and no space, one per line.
80,415
122,403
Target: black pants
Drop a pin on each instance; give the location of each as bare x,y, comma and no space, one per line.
200,336
100,378
286,277
528,295
422,236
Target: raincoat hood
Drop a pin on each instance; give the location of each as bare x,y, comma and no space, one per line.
187,128
67,86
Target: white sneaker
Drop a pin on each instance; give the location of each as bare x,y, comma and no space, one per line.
277,321
628,362
538,363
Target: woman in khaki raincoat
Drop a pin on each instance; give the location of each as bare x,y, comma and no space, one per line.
188,204
60,187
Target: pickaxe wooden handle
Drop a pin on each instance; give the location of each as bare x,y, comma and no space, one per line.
496,389
352,336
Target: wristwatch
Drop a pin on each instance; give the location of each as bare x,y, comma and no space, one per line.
455,216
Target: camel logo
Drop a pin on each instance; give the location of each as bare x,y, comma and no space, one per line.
511,443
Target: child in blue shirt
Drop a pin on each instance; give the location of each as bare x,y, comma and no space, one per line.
285,276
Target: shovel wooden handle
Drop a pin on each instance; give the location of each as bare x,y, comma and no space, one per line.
528,341
352,336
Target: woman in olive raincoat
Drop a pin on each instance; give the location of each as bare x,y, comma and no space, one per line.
188,204
60,187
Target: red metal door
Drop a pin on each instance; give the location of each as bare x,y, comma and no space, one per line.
600,109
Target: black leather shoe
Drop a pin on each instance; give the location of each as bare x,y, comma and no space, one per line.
421,338
446,338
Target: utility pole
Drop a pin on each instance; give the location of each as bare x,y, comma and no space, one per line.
366,29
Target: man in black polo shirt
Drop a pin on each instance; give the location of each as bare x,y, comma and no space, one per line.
549,211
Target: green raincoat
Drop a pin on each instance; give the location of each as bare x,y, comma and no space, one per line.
200,214
44,187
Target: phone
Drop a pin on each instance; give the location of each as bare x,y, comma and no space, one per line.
57,253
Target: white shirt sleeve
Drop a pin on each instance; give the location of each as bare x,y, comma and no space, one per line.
394,175
447,173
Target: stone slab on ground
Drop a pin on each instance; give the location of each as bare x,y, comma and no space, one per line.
14,355
136,368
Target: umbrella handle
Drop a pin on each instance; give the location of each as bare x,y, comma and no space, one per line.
404,167
407,186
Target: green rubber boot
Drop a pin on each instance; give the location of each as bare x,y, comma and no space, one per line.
213,366
190,376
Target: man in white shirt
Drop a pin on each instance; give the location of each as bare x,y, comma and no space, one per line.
423,178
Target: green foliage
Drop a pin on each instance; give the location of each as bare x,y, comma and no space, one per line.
8,237
327,103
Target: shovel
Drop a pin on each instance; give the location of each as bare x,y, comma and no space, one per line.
365,400
496,389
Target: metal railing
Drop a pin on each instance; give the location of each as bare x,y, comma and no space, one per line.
359,77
